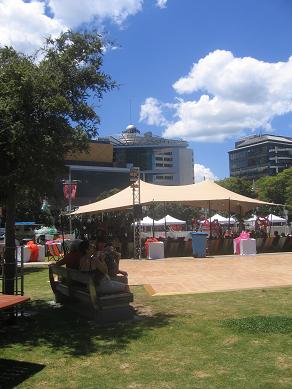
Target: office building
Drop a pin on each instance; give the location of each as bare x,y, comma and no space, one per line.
162,161
107,163
260,155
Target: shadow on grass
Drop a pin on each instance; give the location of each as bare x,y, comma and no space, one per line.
13,373
264,325
59,329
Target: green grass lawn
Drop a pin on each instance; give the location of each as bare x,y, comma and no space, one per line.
218,340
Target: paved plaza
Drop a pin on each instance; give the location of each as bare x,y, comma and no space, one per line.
222,273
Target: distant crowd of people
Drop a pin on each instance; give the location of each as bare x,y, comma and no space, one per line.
216,230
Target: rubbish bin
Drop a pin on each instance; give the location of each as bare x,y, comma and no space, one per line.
155,250
199,241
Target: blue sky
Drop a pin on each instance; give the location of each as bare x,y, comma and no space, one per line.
209,71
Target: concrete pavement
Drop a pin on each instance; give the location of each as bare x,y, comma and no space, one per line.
212,274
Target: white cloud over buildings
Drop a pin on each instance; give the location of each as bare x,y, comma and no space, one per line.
202,173
230,95
152,112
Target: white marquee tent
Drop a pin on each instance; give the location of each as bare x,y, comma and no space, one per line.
276,219
222,220
148,222
272,219
169,220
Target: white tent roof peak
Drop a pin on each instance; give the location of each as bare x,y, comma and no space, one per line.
271,218
147,222
222,220
170,220
276,218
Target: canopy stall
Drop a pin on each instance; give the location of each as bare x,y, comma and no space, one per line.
272,219
169,220
206,194
276,219
148,222
222,220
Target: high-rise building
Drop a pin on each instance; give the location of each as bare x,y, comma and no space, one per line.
162,161
260,155
107,163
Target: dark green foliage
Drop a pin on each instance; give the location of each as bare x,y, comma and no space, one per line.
45,113
177,210
108,193
238,185
277,189
45,110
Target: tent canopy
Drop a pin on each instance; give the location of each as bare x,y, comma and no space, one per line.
272,218
169,220
147,222
222,220
276,219
206,194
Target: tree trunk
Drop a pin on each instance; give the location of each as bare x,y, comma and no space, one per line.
10,259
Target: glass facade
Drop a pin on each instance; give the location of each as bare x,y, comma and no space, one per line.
157,164
260,156
139,156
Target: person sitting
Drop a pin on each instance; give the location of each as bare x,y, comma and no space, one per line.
72,259
112,259
96,264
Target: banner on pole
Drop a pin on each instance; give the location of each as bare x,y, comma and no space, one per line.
70,187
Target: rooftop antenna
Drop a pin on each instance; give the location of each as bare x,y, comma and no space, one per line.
130,102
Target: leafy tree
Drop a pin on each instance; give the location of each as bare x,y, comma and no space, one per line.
108,193
177,210
45,112
239,185
276,189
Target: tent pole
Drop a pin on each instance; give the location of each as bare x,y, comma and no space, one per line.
229,206
153,233
210,219
165,231
240,214
62,231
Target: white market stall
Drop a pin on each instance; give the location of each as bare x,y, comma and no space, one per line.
169,221
222,220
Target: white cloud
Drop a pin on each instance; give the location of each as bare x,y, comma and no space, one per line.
215,119
202,173
24,25
151,112
236,94
76,12
161,3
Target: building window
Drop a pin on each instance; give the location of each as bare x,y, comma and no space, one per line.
164,177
